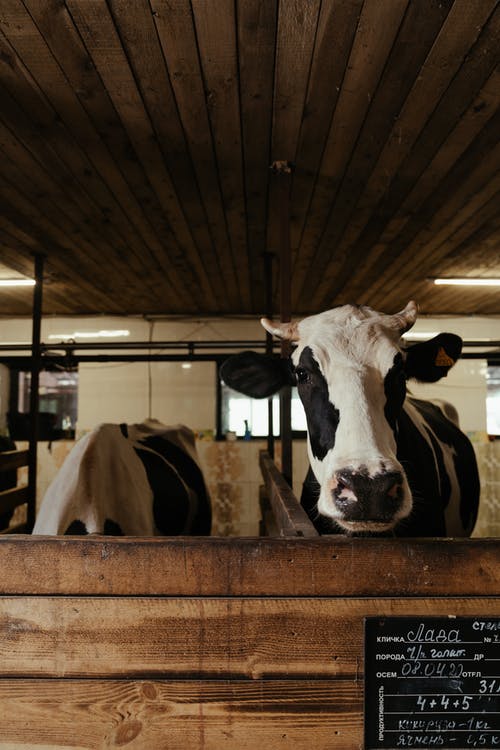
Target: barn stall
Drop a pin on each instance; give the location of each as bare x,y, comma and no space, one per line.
137,143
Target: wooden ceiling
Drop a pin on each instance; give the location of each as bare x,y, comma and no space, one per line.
137,136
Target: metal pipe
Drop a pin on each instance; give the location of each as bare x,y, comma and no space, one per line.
36,359
268,275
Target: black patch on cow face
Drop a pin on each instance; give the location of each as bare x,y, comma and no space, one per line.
322,416
395,391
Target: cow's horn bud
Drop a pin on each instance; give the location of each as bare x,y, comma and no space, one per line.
404,320
287,331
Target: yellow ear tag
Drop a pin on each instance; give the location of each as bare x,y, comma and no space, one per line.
443,359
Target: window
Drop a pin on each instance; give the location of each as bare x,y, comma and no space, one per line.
238,411
58,392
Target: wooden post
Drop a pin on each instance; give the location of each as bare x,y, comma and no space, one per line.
283,170
36,359
268,275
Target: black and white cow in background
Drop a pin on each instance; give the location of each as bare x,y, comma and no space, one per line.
381,462
135,480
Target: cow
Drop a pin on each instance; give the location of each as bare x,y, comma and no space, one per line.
135,480
381,461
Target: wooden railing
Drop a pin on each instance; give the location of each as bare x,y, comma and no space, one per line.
282,513
11,498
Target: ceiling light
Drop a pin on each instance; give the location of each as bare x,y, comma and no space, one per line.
186,365
419,334
17,282
468,281
88,335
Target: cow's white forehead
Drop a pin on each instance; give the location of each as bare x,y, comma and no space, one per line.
350,334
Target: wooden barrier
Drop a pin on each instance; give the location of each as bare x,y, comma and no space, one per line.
288,516
211,643
12,498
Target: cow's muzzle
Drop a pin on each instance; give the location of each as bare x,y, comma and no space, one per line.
363,502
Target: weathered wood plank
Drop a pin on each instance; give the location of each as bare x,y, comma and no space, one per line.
139,36
402,67
337,26
183,262
177,37
295,35
458,33
215,26
292,520
326,566
13,460
256,21
244,638
91,166
10,499
371,46
77,714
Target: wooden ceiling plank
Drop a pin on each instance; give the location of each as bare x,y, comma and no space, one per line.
139,36
429,240
458,33
256,44
424,246
463,261
182,258
448,169
55,134
402,68
376,288
50,241
21,169
463,135
338,22
454,198
466,234
177,36
56,298
141,206
374,39
296,33
28,32
215,26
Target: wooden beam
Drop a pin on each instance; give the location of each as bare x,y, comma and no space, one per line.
291,518
325,566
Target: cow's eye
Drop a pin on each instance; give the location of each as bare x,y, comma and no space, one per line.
302,375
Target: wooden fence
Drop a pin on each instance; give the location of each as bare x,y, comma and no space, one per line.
11,498
211,643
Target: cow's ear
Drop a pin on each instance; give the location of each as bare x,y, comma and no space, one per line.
431,360
256,375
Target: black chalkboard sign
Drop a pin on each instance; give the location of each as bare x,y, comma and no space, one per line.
432,682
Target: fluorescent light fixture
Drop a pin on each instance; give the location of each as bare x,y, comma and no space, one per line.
17,282
186,365
89,335
468,281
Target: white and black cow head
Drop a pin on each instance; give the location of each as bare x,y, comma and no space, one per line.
350,368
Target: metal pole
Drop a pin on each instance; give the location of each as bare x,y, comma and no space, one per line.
36,359
268,275
283,170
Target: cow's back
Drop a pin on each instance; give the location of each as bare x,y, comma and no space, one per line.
136,480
